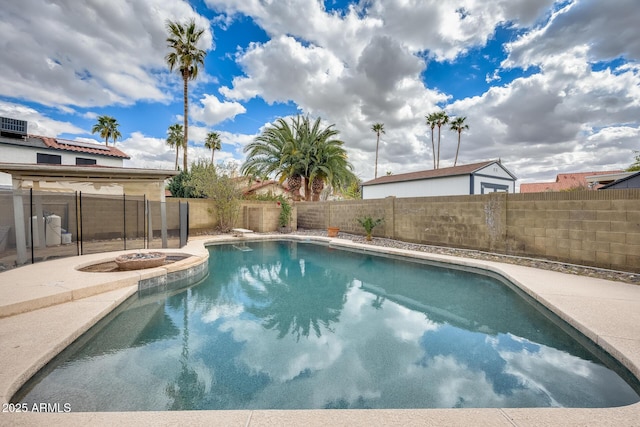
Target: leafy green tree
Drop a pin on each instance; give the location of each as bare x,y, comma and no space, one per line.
107,127
636,165
216,183
213,143
378,128
175,137
431,122
300,151
352,191
185,57
458,125
179,186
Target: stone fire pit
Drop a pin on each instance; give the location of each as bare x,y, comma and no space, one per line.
139,260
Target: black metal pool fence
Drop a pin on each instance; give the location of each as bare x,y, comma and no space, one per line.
40,225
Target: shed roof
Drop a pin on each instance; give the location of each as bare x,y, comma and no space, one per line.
435,173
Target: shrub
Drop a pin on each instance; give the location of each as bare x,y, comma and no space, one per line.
216,183
368,223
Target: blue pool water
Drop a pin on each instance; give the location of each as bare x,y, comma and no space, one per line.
298,325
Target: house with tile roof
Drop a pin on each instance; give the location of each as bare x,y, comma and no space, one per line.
573,181
17,146
477,178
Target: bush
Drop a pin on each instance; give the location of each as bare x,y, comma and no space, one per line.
179,186
216,183
285,212
368,223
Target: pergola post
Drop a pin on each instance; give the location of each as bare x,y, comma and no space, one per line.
19,223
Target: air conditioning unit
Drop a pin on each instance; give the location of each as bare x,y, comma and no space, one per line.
13,127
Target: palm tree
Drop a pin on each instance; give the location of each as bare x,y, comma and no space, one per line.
458,125
175,138
213,143
431,121
107,127
302,150
441,119
273,153
185,58
378,128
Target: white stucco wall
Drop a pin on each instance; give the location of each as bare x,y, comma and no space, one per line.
446,186
492,178
489,179
19,154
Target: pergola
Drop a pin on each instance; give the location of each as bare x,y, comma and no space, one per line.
87,179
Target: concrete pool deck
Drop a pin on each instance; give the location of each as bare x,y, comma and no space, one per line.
46,306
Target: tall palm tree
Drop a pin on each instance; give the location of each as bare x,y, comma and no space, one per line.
431,122
213,143
175,137
458,125
107,127
185,57
441,119
378,128
300,151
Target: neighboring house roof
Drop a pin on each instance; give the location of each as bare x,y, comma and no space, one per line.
615,184
436,173
258,184
563,182
44,142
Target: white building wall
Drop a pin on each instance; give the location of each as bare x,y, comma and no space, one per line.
446,186
29,155
20,154
493,178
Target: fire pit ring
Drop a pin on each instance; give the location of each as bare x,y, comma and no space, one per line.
140,260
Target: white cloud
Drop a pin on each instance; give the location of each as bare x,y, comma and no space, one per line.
88,54
571,110
213,111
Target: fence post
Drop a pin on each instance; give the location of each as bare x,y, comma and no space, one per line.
124,220
81,235
77,226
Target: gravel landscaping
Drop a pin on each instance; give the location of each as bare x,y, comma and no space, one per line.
620,276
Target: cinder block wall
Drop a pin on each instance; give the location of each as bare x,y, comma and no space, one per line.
261,217
598,228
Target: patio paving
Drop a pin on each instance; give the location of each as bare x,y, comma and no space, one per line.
46,306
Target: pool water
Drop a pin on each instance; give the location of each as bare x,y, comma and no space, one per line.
295,325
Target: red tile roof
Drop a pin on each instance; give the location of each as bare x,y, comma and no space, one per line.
564,182
432,173
81,147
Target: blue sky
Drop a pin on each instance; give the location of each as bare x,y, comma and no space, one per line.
548,87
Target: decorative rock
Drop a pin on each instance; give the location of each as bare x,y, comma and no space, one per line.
140,260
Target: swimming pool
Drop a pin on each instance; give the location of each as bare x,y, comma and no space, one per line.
297,325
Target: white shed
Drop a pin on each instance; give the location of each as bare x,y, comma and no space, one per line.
477,178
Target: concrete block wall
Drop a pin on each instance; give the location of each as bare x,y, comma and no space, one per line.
261,217
598,228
